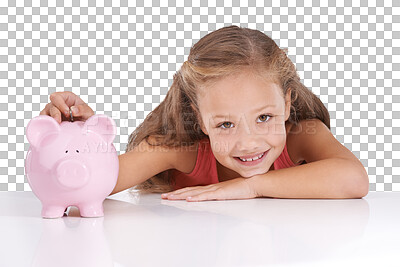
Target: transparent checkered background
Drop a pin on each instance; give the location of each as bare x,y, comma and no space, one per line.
120,57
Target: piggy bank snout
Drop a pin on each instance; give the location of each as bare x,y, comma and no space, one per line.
72,173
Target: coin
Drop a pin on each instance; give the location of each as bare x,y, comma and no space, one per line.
70,115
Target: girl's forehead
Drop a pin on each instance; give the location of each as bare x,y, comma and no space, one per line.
240,97
241,86
240,76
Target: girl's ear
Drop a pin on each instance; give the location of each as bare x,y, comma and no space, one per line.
288,103
199,120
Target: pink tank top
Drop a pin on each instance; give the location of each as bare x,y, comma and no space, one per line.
205,170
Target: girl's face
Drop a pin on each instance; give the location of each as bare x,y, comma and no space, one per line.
244,115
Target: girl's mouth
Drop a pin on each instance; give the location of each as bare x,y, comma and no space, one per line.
254,161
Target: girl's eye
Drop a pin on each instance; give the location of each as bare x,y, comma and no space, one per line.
265,115
227,122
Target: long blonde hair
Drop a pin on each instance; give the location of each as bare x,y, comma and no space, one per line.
174,122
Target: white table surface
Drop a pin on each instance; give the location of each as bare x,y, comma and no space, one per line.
145,230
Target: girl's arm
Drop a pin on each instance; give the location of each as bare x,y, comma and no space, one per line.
332,171
141,163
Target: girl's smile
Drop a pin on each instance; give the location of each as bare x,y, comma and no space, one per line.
252,160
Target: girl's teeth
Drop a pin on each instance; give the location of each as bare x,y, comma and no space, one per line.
255,158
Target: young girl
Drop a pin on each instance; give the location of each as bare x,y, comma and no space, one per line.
237,123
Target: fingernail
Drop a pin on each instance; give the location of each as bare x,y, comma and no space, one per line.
74,110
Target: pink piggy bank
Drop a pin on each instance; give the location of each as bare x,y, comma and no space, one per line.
71,164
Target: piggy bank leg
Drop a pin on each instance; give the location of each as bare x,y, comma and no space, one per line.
52,211
92,209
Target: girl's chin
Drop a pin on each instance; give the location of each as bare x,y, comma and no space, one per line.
251,174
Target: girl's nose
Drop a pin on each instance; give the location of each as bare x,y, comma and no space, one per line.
247,144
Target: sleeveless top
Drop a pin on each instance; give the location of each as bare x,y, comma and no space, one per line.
205,170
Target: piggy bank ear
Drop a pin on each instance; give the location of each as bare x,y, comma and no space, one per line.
102,125
41,127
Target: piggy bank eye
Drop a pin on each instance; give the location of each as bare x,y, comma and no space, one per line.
66,151
77,151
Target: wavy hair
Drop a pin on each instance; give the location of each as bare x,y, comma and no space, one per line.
174,122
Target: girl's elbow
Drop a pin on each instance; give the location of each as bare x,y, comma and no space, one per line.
361,188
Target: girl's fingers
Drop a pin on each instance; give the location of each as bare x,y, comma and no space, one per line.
210,195
82,111
59,100
46,110
180,191
55,113
59,107
188,193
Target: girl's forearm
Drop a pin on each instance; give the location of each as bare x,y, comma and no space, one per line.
142,163
328,178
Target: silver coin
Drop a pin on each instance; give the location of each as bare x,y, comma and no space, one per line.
71,118
66,211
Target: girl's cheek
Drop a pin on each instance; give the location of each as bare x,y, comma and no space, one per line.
221,146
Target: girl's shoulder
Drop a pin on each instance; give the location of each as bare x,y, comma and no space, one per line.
292,132
306,138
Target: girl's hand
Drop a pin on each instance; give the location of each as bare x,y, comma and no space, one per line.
59,105
237,188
